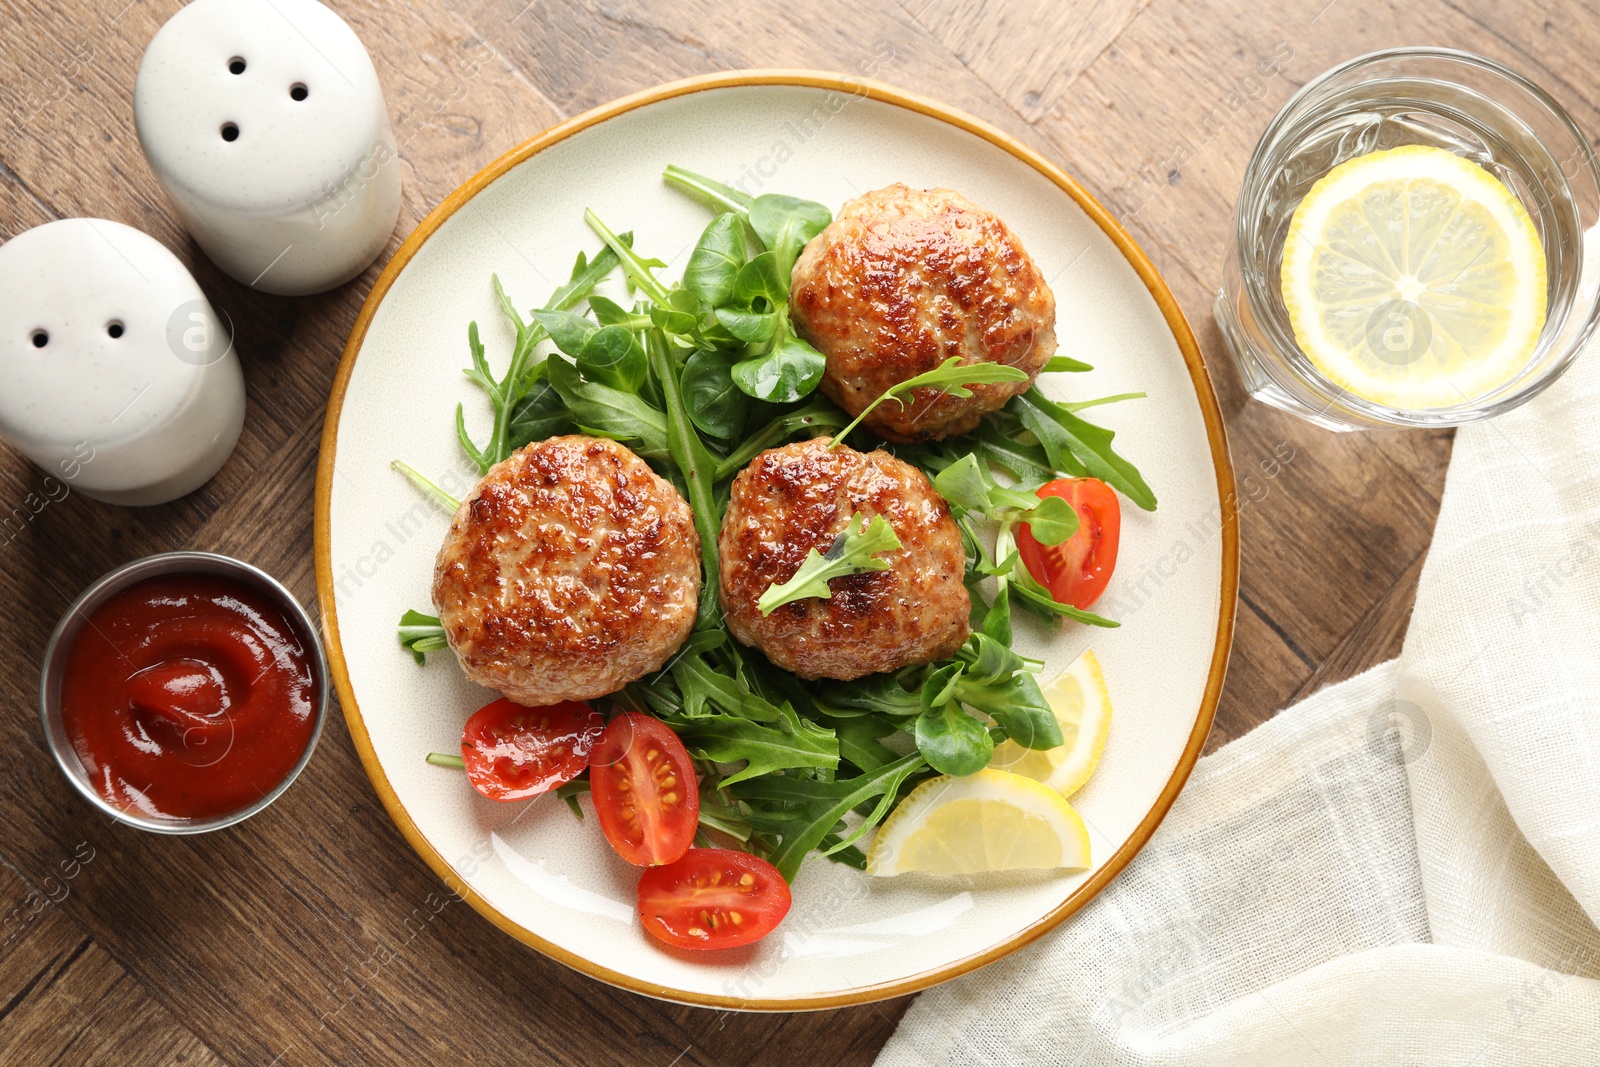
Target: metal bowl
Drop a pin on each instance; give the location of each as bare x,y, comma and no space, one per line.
108,585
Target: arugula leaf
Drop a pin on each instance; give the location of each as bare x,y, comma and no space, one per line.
1077,446
1115,398
1066,363
855,550
819,414
539,414
819,807
719,196
570,792
1038,597
952,376
586,274
877,693
421,634
860,741
606,412
1024,462
724,815
416,478
698,467
790,742
636,267
702,686
506,394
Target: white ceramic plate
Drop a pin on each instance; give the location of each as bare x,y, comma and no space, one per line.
551,880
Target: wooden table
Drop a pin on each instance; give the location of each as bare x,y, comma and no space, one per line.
286,941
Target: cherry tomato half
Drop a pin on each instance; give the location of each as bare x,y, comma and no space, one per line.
1076,571
713,898
645,790
513,752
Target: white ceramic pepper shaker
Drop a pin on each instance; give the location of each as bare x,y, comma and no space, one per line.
265,122
118,379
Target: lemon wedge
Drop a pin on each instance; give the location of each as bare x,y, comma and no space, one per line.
1414,278
989,821
1082,705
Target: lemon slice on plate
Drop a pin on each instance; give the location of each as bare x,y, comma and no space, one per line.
989,821
1082,705
1414,278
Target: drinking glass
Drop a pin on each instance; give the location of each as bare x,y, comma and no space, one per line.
1468,105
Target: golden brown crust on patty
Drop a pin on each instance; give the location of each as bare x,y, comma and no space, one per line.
903,280
790,500
569,571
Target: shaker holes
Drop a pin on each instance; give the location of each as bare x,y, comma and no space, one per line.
298,91
236,65
39,338
230,131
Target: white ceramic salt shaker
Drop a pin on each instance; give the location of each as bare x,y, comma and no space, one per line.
265,122
118,379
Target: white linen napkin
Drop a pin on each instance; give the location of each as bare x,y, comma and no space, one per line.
1329,890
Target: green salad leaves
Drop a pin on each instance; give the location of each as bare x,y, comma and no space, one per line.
699,377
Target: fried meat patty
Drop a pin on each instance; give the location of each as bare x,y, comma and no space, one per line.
571,570
903,280
792,499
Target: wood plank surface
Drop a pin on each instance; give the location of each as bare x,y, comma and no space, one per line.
312,934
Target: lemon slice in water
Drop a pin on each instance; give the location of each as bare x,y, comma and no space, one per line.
1414,278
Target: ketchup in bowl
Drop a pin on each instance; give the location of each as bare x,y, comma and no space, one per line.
189,696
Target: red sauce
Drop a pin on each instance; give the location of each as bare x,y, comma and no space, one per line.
189,696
